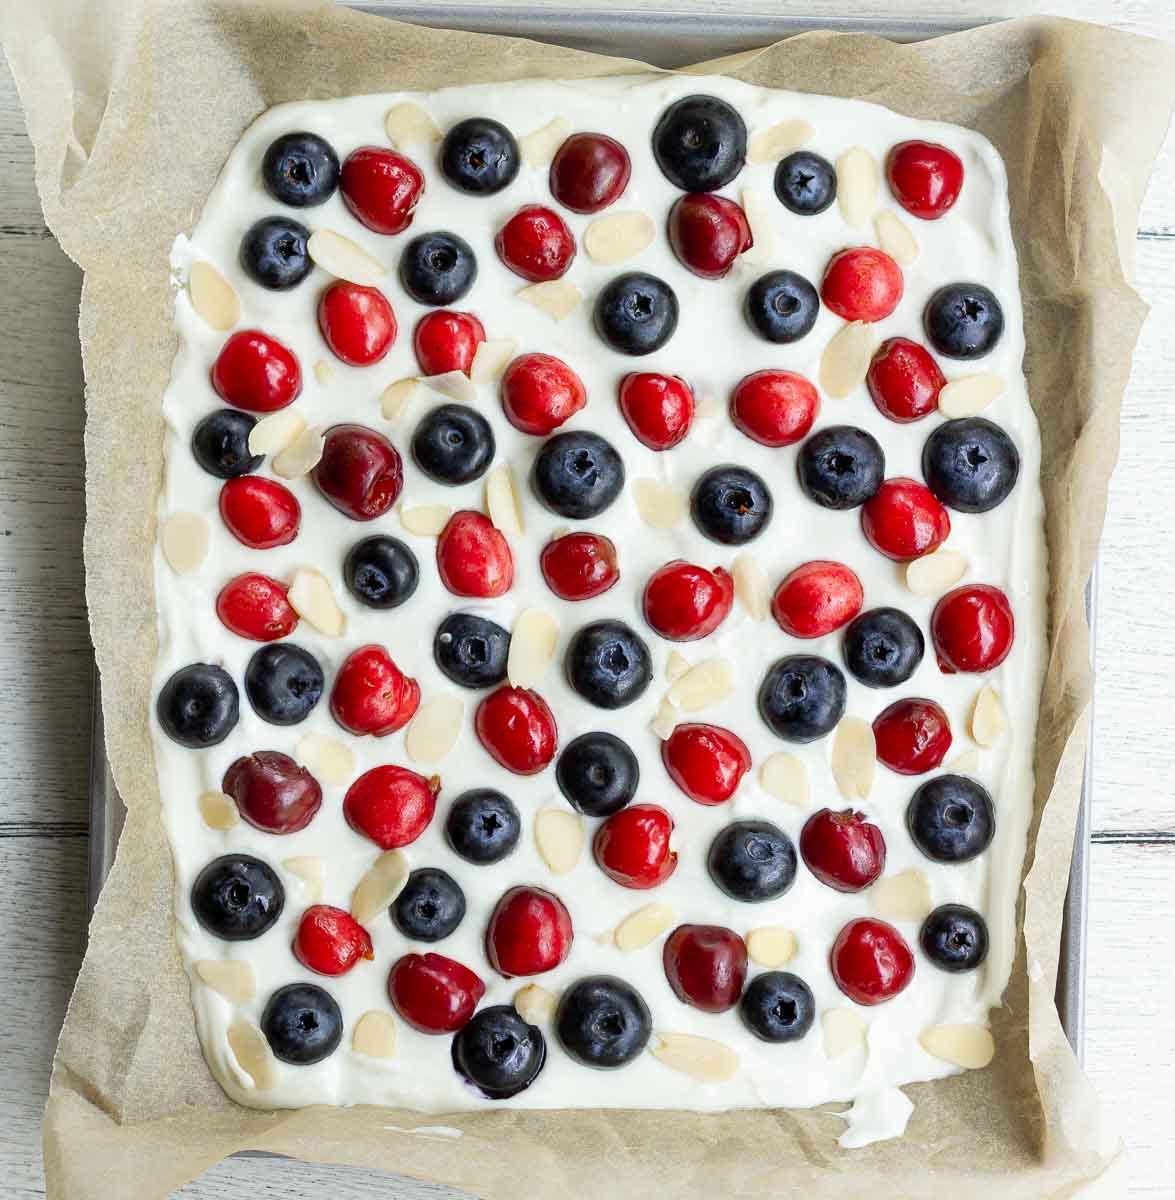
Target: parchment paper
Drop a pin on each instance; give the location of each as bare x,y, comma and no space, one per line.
133,106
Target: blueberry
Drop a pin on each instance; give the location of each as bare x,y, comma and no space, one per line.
963,320
752,861
782,306
302,1024
577,474
636,313
498,1052
381,571
802,697
778,1007
602,1021
954,937
700,143
300,169
237,897
970,465
453,444
805,183
608,664
274,254
430,905
597,773
883,647
483,826
841,466
471,651
730,505
220,443
951,819
480,156
283,683
437,268
198,706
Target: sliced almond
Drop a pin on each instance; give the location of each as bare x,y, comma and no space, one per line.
710,682
764,240
311,598
775,141
750,585
532,647
535,1005
970,395
184,542
771,945
785,777
676,665
407,124
856,185
969,1046
425,520
301,456
326,758
845,360
700,1058
455,385
707,408
435,728
343,258
894,237
901,897
276,431
933,574
308,868
379,886
854,758
375,1035
502,500
966,763
618,236
213,297
558,298
218,811
395,397
232,978
252,1053
988,721
490,359
324,372
843,1030
538,147
661,505
645,925
558,834
664,721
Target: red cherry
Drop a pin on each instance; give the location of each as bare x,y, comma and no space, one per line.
329,941
578,566
259,513
255,606
589,172
658,408
381,188
632,846
432,993
925,178
912,735
371,694
256,372
774,408
683,602
817,598
391,805
357,323
540,392
536,244
862,284
517,729
272,792
360,472
904,380
473,558
707,233
842,849
705,761
972,629
903,519
529,932
446,341
871,961
706,966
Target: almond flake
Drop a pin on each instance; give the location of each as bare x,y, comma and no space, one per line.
558,298
375,1035
710,682
490,359
276,432
326,758
970,395
776,141
343,258
700,1058
665,721
785,777
425,520
382,883
559,837
252,1053
707,408
771,945
750,585
307,868
988,722
640,928
764,241
455,385
435,728
301,456
894,237
660,505
532,647
311,598
407,124
184,541
933,574
502,500
843,1030
966,763
901,897
856,185
618,236
218,810
969,1046
845,360
676,666
324,372
395,397
213,297
534,1004
854,758
232,978
538,147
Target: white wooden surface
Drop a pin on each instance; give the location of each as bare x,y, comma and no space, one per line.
45,669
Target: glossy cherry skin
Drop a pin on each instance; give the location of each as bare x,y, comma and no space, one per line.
707,233
842,849
381,188
272,792
391,805
529,932
904,380
871,961
256,607
357,323
578,566
474,558
684,602
256,372
632,846
817,598
536,243
371,694
589,172
432,993
925,178
913,736
659,408
706,761
972,629
446,341
260,513
862,284
360,472
706,966
539,392
904,520
517,729
774,408
329,941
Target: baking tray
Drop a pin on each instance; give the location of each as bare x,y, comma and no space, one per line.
665,39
